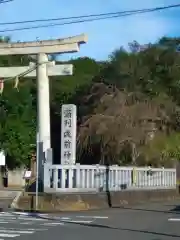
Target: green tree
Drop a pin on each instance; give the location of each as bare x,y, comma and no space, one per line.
18,118
18,124
152,72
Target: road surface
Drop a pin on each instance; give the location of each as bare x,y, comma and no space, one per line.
142,222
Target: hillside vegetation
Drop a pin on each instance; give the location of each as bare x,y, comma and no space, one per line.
128,108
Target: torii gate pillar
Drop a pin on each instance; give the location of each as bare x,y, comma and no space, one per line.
43,103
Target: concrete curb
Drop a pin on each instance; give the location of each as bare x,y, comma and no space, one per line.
53,203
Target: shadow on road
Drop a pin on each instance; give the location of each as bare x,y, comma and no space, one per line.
175,210
128,229
144,210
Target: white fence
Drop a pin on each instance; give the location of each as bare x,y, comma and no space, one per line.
87,178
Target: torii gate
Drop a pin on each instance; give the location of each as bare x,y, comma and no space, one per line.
41,49
30,72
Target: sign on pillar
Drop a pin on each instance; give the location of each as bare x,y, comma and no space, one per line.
68,134
2,158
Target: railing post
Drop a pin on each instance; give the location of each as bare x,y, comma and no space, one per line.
163,177
78,177
70,176
63,177
116,183
97,177
149,176
47,173
134,176
175,178
55,175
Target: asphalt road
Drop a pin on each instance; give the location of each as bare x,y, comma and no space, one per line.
142,222
5,203
155,221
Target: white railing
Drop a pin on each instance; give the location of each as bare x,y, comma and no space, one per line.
87,178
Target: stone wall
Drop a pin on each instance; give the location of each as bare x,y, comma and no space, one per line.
88,201
15,178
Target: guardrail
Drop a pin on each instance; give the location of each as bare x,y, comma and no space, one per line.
87,178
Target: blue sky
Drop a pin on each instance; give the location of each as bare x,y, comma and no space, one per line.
104,36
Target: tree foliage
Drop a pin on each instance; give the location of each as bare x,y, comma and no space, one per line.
128,107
